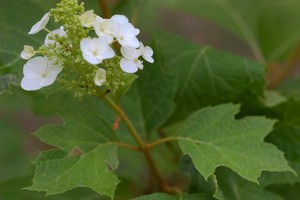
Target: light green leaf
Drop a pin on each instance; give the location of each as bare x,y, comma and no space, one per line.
207,76
233,187
87,158
212,137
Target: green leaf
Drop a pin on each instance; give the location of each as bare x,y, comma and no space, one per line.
12,190
162,196
212,137
269,27
286,136
290,192
151,97
87,158
207,76
233,187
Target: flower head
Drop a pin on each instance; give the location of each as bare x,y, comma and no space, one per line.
100,76
39,72
27,52
87,19
40,24
131,62
96,50
146,52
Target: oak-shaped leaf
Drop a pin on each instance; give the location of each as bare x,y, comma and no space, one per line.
213,137
87,155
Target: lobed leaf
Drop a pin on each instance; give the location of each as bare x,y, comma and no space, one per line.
87,155
212,137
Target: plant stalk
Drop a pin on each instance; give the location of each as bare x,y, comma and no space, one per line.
142,145
292,60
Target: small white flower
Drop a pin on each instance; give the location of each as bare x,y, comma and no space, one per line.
27,52
61,32
40,24
130,63
105,28
100,76
88,18
96,50
39,72
146,52
120,19
126,35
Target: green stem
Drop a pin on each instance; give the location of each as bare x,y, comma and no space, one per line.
142,145
163,140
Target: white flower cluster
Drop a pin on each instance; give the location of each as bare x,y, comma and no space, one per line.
116,29
39,71
42,71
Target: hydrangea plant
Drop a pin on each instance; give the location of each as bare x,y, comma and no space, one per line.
172,122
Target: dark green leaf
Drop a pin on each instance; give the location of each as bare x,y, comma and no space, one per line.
269,27
233,187
13,190
207,76
162,196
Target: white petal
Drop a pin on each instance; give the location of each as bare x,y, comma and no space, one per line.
51,72
30,84
92,59
104,51
130,42
109,53
35,65
121,19
87,46
40,24
129,53
128,66
147,54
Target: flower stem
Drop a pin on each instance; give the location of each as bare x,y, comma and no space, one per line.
144,148
292,60
105,10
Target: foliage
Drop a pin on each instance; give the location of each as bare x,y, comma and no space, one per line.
198,123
